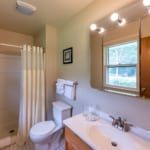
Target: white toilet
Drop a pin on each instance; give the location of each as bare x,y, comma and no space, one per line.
45,133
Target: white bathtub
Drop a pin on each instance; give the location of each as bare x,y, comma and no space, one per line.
8,134
6,141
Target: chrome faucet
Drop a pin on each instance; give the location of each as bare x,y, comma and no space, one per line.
121,123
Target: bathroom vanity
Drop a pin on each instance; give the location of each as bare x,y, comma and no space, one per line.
81,134
73,142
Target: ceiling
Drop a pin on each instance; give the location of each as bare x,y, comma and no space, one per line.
53,12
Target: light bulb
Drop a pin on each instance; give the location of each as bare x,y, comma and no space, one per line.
114,17
146,2
122,22
93,27
101,30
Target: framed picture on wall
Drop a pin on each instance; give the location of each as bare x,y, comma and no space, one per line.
68,55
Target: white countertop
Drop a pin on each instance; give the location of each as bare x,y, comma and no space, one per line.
80,126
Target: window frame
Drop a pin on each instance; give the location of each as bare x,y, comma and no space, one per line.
120,89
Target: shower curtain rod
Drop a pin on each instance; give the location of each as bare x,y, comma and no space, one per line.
10,45
15,46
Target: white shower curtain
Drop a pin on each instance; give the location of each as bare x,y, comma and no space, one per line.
32,101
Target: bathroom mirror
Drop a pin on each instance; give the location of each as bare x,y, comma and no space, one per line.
120,56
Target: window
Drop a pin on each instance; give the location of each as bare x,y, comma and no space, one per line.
121,67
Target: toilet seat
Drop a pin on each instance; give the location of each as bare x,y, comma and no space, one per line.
43,128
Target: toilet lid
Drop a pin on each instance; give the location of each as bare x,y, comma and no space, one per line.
43,128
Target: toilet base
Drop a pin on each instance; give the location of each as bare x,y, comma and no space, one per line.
41,147
53,144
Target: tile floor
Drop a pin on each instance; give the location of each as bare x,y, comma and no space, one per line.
57,138
29,146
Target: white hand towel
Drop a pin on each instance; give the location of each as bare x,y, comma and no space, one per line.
70,92
60,86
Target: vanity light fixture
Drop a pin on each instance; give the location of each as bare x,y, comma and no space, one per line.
147,4
115,17
93,27
121,22
101,30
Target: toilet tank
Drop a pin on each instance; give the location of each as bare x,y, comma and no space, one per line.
61,111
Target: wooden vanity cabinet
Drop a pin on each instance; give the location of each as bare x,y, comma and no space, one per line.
73,142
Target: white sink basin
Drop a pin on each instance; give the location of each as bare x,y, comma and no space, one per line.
109,138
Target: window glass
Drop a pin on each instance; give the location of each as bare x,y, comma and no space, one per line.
121,76
123,54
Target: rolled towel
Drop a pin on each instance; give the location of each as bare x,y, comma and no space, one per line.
71,83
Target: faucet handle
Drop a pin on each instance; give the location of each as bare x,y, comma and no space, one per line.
124,120
113,120
127,126
112,117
